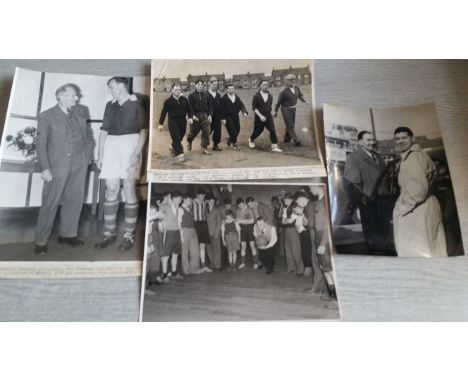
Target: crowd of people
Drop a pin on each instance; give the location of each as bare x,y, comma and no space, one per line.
206,111
200,232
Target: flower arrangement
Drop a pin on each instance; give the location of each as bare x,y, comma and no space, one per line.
25,141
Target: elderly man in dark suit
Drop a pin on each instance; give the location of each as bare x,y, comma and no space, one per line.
65,147
367,186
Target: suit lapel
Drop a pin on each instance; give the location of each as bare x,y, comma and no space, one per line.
366,158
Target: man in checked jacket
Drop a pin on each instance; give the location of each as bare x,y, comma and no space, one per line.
287,100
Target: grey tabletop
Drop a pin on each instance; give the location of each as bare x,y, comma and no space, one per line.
369,288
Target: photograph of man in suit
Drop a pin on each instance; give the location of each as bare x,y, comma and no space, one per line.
367,188
65,147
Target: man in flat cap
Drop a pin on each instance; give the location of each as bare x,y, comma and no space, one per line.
65,147
287,100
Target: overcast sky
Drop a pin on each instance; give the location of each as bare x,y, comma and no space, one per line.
422,119
181,68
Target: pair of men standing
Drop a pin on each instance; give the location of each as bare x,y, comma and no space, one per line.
417,218
65,147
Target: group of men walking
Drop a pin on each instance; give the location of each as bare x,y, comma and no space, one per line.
207,111
65,149
192,234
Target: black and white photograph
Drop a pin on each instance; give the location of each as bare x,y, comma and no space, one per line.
389,180
73,153
214,120
238,252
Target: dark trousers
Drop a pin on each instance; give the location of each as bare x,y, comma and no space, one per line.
289,116
233,127
376,216
306,248
267,257
216,130
318,281
177,129
259,126
67,189
201,125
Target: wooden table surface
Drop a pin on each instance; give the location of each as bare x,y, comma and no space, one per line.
369,288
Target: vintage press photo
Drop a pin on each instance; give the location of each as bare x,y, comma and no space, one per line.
213,120
72,165
234,252
389,180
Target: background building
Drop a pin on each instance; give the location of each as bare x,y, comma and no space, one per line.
303,76
164,84
193,78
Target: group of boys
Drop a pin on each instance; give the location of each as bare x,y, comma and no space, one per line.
188,235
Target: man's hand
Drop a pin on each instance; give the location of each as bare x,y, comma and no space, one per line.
245,114
195,118
133,97
223,121
262,118
134,159
305,101
160,127
224,242
321,250
46,175
209,119
99,164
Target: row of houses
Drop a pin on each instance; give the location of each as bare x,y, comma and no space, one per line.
240,81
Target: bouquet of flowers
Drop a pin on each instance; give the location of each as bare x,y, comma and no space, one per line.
25,141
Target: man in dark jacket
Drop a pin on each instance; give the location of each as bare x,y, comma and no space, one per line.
177,107
262,106
202,117
364,171
215,99
65,147
231,105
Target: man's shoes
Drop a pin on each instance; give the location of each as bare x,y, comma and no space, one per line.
228,142
235,147
40,249
206,152
108,239
177,276
72,241
297,143
208,270
127,242
171,150
181,158
189,146
251,144
242,265
217,148
275,149
269,271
